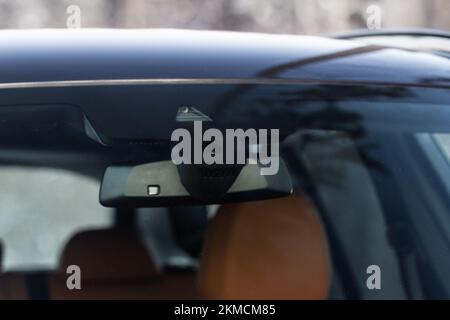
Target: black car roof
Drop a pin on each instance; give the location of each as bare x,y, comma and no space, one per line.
41,58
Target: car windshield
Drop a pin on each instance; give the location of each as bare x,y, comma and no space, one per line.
381,179
375,161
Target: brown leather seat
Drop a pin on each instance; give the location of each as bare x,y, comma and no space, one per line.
12,284
274,249
115,264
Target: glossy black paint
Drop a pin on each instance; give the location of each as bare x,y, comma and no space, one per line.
238,79
62,55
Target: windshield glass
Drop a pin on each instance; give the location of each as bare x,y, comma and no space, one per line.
382,185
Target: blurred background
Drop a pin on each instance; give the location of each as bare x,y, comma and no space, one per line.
272,16
41,208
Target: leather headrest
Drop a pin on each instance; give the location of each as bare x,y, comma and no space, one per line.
274,249
109,254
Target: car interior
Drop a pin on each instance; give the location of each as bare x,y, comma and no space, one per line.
285,256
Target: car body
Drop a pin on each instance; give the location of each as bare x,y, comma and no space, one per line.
363,131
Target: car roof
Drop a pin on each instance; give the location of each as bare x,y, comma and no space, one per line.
59,57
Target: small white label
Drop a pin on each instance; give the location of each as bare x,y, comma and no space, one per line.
153,190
